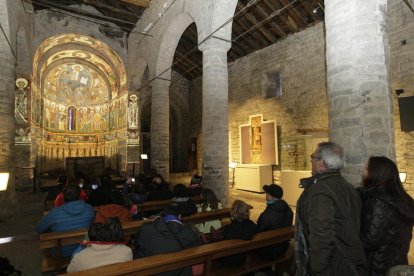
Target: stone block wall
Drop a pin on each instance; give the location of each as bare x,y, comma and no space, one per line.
49,23
401,33
179,102
302,107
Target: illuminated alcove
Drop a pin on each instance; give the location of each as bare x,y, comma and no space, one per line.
78,103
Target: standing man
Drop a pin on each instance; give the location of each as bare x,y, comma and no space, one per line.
328,219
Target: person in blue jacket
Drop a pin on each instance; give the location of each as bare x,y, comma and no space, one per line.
72,215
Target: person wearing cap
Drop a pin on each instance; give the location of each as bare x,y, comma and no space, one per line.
276,215
166,234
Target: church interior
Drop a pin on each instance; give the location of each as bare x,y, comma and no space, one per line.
240,91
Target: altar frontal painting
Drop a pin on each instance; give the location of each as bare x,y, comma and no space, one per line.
258,141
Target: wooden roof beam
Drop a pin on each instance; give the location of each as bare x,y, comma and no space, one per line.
279,30
139,3
293,13
254,21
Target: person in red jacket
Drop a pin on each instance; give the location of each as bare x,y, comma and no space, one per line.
59,201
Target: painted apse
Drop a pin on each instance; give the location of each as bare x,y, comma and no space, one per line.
79,103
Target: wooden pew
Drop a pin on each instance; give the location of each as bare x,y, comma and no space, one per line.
206,254
59,239
160,204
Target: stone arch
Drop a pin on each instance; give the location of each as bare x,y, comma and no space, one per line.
169,42
136,74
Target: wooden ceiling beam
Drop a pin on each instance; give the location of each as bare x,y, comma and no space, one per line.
293,13
53,5
139,3
282,17
254,21
273,24
101,5
237,30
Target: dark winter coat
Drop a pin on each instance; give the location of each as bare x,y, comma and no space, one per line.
160,192
276,215
329,212
386,229
244,230
159,237
186,206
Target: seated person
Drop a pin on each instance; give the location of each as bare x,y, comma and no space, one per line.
164,235
114,207
276,215
195,185
138,194
54,191
160,189
185,204
100,194
106,247
73,214
209,203
241,227
59,199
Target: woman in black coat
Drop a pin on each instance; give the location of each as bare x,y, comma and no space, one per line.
387,216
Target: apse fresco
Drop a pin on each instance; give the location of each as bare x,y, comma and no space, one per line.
75,84
79,102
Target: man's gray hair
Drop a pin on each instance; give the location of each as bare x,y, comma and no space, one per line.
332,154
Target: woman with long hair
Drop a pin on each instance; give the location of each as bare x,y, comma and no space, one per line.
387,216
209,203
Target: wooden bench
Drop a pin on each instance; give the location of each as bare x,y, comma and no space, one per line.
59,239
160,204
206,254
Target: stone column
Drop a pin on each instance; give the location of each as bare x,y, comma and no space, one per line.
360,102
7,128
215,117
160,127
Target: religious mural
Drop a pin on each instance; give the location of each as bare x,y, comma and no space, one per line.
79,102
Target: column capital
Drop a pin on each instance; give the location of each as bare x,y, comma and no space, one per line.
213,42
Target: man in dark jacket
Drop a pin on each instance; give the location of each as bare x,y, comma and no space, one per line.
164,235
276,215
328,219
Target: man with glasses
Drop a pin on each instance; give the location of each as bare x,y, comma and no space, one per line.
328,219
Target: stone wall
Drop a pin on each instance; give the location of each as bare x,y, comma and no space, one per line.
50,23
302,107
401,29
179,110
12,19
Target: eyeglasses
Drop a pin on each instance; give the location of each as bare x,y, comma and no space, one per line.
315,157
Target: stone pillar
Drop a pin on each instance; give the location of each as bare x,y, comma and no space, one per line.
160,127
360,102
7,128
215,117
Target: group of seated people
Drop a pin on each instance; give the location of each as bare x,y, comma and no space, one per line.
386,219
164,232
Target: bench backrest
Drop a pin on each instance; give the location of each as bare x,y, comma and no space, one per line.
191,256
51,240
